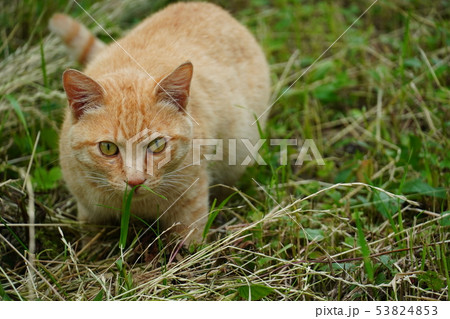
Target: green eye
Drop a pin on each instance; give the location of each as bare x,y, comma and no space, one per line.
108,148
157,145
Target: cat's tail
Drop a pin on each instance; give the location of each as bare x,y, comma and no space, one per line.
81,42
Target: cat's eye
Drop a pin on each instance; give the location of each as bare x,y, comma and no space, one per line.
157,145
108,148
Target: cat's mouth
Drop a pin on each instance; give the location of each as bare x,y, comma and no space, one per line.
142,191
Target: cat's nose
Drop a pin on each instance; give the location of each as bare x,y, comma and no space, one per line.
136,181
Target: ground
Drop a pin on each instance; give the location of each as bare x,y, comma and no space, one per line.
369,88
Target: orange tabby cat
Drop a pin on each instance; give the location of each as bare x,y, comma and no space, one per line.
188,72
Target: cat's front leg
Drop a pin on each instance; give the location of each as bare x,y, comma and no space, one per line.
92,222
88,231
189,214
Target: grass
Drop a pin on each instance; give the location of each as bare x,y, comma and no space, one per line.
371,224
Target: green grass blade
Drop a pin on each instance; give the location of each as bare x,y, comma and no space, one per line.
151,191
99,296
126,212
125,219
3,294
16,106
364,247
14,234
212,216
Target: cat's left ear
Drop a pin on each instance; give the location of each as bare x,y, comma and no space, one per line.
174,88
82,91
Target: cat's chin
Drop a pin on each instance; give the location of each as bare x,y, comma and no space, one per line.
140,195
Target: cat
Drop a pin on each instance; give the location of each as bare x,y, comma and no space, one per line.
186,73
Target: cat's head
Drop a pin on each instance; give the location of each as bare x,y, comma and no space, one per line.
128,129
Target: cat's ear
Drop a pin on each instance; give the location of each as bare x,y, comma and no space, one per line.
174,88
82,92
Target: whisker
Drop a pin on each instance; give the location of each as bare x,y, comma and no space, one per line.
177,170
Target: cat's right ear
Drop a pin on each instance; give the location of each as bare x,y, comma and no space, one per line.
82,92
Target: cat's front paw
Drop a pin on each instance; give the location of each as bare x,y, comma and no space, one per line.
189,236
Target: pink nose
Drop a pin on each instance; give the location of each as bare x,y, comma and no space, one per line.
134,182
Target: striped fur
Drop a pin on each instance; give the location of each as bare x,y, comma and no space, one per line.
83,45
